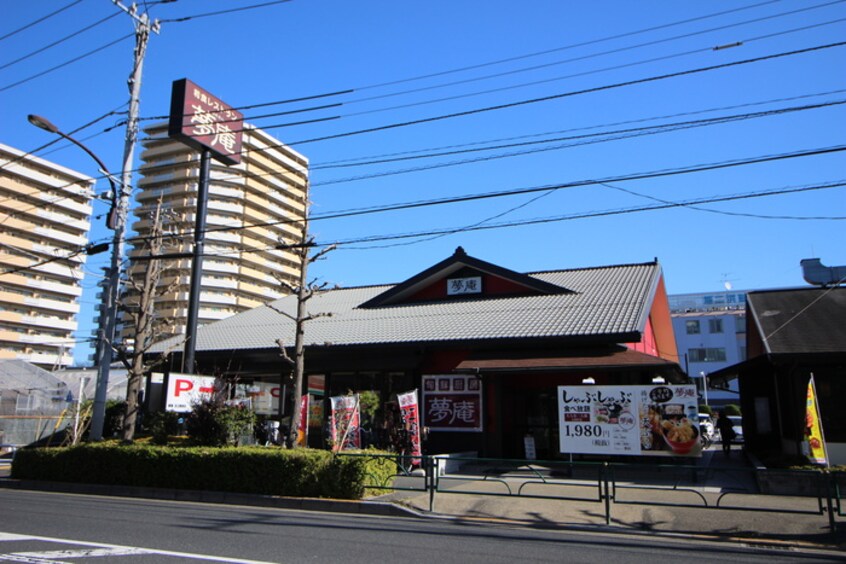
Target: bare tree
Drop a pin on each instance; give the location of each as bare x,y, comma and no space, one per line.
139,305
304,291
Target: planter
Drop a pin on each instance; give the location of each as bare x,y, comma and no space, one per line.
802,483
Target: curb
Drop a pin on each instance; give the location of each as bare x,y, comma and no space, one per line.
225,498
374,508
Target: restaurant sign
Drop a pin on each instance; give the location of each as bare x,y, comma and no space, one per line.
204,122
452,403
655,420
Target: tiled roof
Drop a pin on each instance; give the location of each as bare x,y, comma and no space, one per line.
808,320
605,302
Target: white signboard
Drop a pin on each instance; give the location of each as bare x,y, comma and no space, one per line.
264,397
656,420
185,390
458,286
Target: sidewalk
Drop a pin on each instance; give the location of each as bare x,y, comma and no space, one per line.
638,507
720,496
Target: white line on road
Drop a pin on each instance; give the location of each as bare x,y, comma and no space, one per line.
102,549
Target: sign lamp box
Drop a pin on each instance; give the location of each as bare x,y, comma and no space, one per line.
204,122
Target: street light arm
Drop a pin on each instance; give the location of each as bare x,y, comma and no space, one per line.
47,125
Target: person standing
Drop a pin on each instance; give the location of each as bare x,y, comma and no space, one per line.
727,435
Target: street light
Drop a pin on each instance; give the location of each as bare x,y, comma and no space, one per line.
116,221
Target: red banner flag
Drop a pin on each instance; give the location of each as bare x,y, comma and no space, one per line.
411,421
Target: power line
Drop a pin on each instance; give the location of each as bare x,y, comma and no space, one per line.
564,48
548,98
266,104
528,190
221,12
584,73
660,128
66,63
645,80
522,223
586,215
39,20
729,213
59,41
351,161
586,57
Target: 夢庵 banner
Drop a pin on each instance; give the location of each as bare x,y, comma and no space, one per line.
452,403
658,420
411,421
344,422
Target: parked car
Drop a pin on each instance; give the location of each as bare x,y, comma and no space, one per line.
737,427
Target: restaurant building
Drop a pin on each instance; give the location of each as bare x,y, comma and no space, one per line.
484,347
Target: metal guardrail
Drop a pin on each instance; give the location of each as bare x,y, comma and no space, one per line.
607,483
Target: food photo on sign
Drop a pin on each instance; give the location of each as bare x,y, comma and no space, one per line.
629,420
669,421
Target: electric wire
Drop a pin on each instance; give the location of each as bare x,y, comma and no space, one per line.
561,95
566,47
536,100
604,135
729,213
343,243
527,190
66,63
39,20
585,215
59,41
834,286
603,53
263,104
641,62
353,160
222,12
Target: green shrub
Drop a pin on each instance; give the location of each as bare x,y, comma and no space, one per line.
256,470
161,425
706,409
212,423
113,418
732,409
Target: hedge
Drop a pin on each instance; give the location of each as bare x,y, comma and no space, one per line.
256,470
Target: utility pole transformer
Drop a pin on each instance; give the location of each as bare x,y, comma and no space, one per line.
111,298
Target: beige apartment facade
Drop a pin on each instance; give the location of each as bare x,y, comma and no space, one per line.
45,217
253,207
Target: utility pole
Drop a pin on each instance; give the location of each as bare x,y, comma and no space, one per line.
120,207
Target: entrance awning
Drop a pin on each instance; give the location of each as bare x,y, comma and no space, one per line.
605,358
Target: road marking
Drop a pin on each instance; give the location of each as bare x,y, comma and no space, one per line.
84,553
98,549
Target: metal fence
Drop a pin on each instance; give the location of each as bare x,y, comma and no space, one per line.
609,484
22,430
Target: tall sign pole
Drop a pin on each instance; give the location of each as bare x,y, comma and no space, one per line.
117,221
209,125
197,262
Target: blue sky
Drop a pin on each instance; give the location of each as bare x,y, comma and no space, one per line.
589,63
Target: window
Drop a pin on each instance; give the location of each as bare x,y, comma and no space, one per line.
692,327
715,325
740,324
707,355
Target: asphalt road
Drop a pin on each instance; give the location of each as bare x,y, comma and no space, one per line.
40,527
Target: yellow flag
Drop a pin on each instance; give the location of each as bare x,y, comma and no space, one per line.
813,427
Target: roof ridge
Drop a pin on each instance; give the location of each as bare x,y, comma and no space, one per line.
598,267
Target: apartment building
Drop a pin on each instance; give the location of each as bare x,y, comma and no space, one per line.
251,206
710,330
45,216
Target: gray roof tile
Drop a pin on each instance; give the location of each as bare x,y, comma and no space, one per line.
606,301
